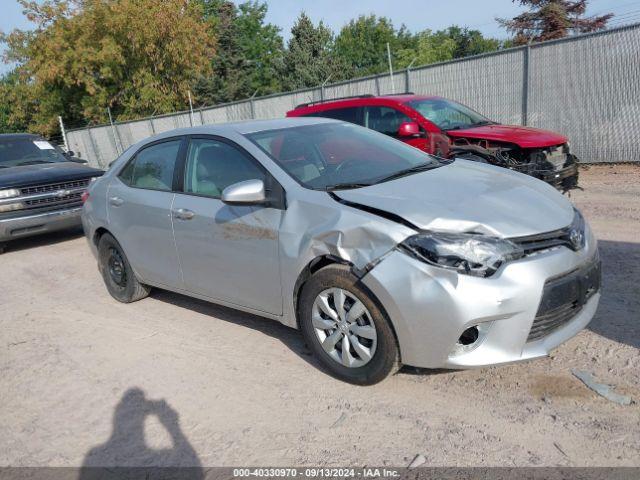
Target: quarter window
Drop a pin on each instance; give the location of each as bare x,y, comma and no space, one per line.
212,166
153,167
351,115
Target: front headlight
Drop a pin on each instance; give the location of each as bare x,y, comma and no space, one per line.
9,193
466,253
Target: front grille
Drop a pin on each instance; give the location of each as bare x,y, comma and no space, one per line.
54,195
54,187
545,241
63,200
563,298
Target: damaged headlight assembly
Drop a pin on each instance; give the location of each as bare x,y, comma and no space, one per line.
465,253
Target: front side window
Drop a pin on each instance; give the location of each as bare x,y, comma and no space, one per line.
385,120
153,167
340,155
448,115
15,152
212,166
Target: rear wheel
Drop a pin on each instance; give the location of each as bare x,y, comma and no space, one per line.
345,328
117,273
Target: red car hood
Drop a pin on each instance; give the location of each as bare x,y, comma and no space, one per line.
525,137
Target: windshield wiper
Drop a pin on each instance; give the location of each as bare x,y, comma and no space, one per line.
408,171
346,186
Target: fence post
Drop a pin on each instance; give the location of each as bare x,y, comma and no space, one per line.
525,84
116,135
252,105
94,147
153,129
64,134
377,86
201,117
407,80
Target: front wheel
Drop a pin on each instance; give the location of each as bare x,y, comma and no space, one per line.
345,328
117,273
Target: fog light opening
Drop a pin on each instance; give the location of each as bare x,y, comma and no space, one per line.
469,336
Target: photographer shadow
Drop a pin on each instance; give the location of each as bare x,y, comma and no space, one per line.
126,454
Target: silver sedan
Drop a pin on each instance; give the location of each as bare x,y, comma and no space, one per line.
379,253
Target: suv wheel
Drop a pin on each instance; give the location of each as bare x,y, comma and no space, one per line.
117,273
345,328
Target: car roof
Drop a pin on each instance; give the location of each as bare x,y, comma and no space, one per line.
17,136
246,127
359,101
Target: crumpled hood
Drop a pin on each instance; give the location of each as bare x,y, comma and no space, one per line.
45,173
466,196
525,137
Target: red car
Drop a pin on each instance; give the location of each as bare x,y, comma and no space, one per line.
448,129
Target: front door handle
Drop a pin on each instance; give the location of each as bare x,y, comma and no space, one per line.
183,214
116,201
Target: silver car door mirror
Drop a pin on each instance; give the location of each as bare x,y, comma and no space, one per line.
249,192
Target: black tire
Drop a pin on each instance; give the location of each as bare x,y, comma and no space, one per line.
385,360
117,273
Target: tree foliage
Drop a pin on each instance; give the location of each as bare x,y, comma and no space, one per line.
142,57
309,59
551,19
136,57
248,56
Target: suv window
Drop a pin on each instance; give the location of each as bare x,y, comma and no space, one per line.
152,168
351,115
385,120
213,165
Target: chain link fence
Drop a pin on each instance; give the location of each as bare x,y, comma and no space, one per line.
586,87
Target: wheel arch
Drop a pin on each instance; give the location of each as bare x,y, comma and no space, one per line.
323,261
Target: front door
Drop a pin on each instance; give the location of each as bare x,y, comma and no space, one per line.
139,200
229,253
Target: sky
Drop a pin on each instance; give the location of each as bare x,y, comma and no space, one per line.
415,14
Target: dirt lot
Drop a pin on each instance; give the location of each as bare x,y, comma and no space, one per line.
83,377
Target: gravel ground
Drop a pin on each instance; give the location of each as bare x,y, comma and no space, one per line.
175,381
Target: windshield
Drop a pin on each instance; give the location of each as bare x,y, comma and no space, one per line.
340,155
448,115
28,151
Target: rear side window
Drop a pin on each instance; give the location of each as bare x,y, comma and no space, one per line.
153,167
213,165
351,115
385,120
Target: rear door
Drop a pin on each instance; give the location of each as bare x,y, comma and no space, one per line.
139,204
229,253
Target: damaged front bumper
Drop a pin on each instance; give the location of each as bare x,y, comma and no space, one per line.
563,179
430,308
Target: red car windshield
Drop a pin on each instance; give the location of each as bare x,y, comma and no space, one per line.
448,115
28,151
335,156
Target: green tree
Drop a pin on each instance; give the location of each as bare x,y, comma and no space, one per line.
362,44
248,52
309,58
551,19
135,57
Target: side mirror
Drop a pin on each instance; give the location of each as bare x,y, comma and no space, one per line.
409,129
249,192
70,153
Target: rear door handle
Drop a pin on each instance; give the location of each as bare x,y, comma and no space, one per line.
116,201
183,214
